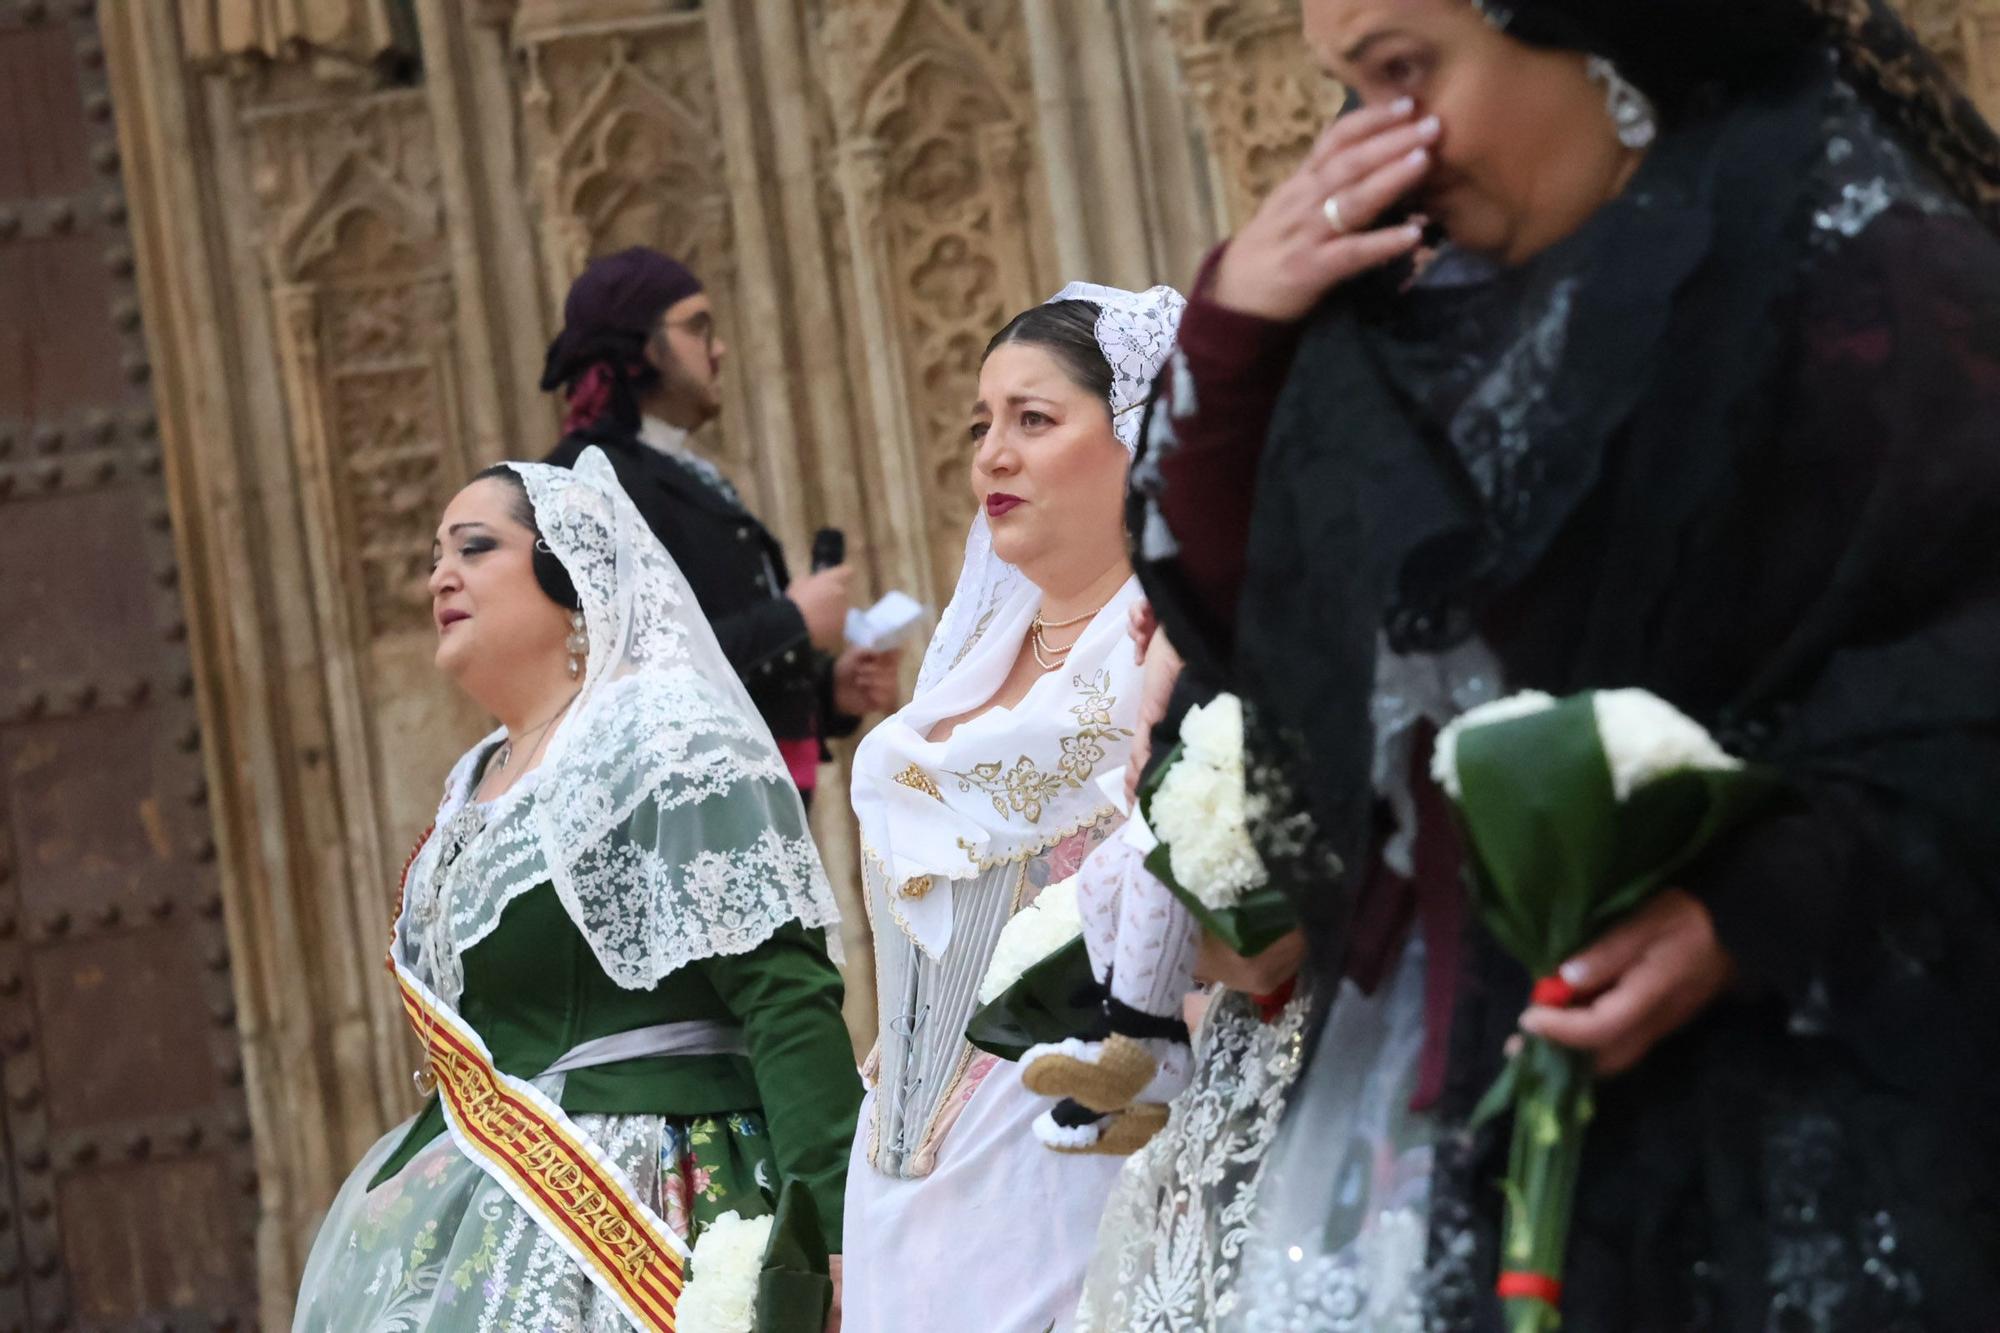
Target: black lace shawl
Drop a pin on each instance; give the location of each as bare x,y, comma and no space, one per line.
1681,51
1736,441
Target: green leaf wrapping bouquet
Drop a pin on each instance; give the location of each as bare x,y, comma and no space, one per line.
1574,812
1192,825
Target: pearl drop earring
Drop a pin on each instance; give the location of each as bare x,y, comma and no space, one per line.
1632,114
579,644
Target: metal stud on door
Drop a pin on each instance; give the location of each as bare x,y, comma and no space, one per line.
130,1193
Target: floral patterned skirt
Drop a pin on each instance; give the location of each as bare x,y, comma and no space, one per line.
440,1247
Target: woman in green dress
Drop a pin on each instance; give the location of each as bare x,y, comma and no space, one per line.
612,947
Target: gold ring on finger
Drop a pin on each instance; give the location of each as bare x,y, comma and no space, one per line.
1333,219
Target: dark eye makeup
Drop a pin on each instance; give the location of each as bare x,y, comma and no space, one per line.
472,546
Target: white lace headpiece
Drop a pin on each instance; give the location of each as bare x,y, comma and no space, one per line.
1135,331
661,811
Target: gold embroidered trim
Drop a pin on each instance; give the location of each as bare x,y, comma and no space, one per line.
1026,788
576,1195
974,866
916,779
874,875
916,886
538,1151
924,1160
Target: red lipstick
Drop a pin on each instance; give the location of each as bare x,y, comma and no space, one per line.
999,502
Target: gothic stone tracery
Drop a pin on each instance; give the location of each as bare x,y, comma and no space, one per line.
355,249
1262,99
626,147
938,120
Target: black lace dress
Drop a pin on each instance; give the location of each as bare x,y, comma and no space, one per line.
1737,442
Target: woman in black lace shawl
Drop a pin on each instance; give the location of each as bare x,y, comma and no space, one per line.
1735,438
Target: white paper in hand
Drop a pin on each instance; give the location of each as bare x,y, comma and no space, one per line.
885,625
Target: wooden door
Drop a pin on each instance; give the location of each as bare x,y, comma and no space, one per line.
129,1195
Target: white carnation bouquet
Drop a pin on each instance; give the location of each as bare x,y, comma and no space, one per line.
721,1294
1038,985
1574,812
1031,935
762,1274
1198,808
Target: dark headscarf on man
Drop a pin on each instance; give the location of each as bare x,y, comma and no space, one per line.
599,358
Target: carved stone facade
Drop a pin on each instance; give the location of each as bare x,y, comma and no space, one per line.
354,223
937,178
1261,100
622,130
353,246
1966,33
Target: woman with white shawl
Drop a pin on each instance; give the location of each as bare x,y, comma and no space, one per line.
988,787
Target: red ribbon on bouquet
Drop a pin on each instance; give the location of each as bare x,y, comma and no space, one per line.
1270,1006
1553,992
1529,1286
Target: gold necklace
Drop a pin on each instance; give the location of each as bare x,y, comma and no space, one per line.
1036,644
1043,650
1065,624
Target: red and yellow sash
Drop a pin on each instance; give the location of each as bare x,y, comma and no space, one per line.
551,1168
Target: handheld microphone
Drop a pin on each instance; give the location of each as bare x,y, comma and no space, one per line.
829,549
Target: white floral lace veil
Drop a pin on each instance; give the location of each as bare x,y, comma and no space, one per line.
661,812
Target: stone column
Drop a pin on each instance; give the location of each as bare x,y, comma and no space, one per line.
184,291
1177,193
780,449
817,377
861,168
814,314
1090,146
257,199
502,318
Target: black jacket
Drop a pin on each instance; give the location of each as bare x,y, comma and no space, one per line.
737,571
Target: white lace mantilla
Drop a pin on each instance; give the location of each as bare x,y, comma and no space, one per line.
662,811
1135,331
648,891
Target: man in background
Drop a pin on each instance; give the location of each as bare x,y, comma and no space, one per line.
640,363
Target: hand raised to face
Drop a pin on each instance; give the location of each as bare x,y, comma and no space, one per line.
1316,230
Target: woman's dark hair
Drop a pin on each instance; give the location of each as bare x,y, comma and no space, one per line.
549,571
1067,330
